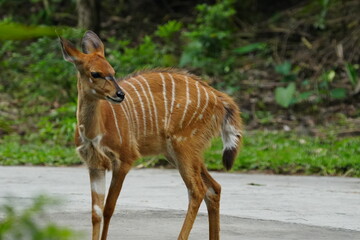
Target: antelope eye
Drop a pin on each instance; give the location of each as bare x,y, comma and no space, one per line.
95,75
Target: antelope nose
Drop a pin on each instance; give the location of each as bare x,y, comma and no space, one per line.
120,94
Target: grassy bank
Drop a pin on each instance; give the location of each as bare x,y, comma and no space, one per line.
263,151
13,151
287,153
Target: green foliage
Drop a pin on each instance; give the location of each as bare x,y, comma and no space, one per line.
126,59
153,50
5,124
49,76
52,144
37,12
148,54
35,76
338,93
15,31
30,223
320,20
322,88
284,96
169,42
351,72
36,79
168,30
285,70
210,38
249,48
264,117
58,127
328,76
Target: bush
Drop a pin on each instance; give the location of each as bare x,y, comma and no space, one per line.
148,54
36,72
210,38
30,223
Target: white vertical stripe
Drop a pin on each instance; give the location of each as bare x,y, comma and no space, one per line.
141,103
116,122
127,119
215,98
198,102
206,103
148,104
131,114
126,107
127,95
165,99
187,101
153,102
172,99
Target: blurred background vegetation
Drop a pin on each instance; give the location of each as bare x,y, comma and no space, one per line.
292,66
31,221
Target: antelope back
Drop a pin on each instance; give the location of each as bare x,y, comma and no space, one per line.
169,102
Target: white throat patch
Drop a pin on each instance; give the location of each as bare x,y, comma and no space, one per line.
93,153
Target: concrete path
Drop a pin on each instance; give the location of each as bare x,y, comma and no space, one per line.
152,203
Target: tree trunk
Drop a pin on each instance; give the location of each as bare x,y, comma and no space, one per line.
89,14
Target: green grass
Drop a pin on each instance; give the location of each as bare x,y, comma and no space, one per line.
286,153
263,151
14,152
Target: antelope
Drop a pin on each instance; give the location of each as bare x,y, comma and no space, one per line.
160,111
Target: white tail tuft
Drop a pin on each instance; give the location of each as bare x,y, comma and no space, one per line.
231,135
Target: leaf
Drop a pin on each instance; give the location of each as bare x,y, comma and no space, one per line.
191,53
284,96
329,76
338,93
351,73
250,48
185,59
167,30
169,60
283,68
304,96
15,31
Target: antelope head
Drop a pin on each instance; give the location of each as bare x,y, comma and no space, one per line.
97,76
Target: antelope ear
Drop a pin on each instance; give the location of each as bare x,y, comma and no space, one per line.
69,51
91,43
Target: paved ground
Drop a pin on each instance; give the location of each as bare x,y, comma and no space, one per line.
152,204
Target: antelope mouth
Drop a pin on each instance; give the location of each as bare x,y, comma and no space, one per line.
114,100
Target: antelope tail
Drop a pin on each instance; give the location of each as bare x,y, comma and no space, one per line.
231,133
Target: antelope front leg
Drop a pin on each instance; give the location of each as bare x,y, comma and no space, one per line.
97,181
113,194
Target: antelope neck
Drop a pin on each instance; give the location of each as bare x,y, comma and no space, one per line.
88,113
